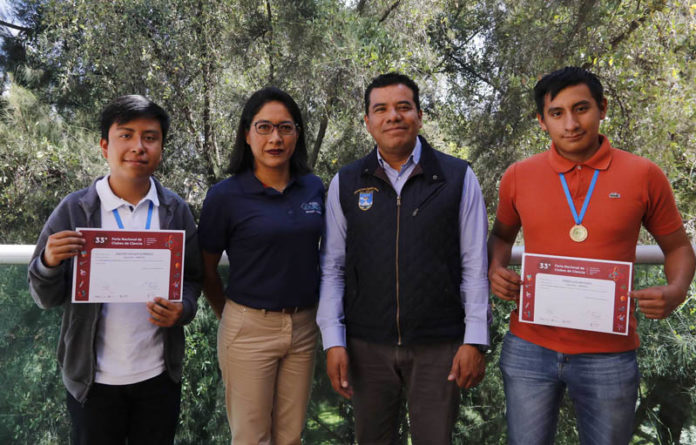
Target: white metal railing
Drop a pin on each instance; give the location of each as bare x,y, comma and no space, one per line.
16,253
645,254
21,254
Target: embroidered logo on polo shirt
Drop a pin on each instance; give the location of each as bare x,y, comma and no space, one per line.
615,195
365,197
311,207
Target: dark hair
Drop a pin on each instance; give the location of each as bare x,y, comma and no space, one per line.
127,108
554,82
242,158
388,79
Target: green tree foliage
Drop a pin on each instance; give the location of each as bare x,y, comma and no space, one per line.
667,360
42,157
495,51
32,402
201,60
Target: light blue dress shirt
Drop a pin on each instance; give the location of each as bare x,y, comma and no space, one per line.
473,230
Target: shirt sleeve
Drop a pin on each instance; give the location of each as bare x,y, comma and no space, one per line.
330,317
214,222
193,264
507,213
44,270
473,230
662,216
51,286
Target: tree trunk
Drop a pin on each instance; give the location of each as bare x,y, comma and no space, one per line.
314,155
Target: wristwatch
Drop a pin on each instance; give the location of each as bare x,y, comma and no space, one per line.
483,349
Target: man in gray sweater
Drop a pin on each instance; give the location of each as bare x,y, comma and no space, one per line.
121,362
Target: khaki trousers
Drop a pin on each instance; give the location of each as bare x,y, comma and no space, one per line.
267,361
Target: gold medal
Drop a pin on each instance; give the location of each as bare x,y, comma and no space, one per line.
578,233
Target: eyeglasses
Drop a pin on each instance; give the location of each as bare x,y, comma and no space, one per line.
284,128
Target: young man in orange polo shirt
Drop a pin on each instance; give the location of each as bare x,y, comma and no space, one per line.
539,362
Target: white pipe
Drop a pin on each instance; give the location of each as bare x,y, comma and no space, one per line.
16,253
21,254
645,254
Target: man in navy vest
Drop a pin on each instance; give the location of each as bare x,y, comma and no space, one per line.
404,293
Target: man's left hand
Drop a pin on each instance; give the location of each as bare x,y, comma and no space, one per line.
468,367
164,313
659,301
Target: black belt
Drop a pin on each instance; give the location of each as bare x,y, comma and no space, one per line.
291,310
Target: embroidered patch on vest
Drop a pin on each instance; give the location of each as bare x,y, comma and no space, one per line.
365,197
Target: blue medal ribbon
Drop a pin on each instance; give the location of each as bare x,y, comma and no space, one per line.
578,218
117,217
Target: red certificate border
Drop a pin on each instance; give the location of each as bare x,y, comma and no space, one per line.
620,272
172,240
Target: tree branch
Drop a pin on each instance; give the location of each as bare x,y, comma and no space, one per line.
324,122
208,149
209,169
13,26
582,12
464,66
635,24
327,430
360,7
390,10
449,56
271,69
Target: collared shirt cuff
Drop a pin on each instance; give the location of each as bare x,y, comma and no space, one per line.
476,333
334,336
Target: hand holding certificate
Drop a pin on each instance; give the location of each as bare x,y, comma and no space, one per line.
124,266
576,293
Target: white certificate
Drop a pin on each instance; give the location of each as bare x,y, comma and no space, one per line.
576,293
124,266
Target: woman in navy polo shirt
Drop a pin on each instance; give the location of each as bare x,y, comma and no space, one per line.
268,217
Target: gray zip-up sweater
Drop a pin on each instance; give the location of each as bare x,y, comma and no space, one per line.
76,345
